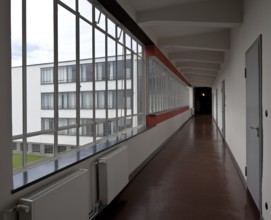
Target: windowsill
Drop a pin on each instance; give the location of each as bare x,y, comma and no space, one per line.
40,172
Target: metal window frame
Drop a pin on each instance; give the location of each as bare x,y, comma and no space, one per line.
94,26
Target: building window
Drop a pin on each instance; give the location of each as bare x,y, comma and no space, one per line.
67,74
21,146
14,146
48,149
61,149
47,123
86,128
63,122
100,99
47,75
111,65
67,100
86,72
36,148
100,130
128,68
111,96
47,100
100,71
86,100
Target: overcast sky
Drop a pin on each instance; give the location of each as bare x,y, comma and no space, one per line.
40,33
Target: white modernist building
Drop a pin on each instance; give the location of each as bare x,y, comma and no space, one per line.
112,108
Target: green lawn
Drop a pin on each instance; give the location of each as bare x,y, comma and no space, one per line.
17,159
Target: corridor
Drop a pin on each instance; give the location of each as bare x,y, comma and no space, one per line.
192,178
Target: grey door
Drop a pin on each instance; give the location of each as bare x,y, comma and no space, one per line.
254,120
223,108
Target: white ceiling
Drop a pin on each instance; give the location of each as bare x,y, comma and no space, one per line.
193,34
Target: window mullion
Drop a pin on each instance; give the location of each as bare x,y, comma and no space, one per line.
132,86
55,77
106,78
24,81
125,80
93,76
116,75
77,75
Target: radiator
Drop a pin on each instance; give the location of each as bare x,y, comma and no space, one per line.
67,198
113,174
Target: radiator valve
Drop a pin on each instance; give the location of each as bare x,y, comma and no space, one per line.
22,208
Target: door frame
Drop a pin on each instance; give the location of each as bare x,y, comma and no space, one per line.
223,108
216,105
258,42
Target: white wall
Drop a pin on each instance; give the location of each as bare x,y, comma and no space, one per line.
257,18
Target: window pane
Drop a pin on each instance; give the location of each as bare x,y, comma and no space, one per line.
66,140
38,148
127,40
112,104
70,3
67,65
100,130
134,46
40,28
128,67
140,85
166,91
111,28
86,131
17,101
39,25
85,40
16,62
100,19
66,35
16,33
120,34
17,156
111,64
111,127
85,9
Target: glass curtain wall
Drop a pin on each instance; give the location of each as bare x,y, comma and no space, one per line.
77,78
166,90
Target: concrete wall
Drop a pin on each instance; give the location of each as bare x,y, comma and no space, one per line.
256,21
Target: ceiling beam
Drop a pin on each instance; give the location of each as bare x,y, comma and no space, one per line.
198,65
208,13
198,71
199,76
216,41
198,55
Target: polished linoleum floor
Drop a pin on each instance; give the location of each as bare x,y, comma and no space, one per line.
192,178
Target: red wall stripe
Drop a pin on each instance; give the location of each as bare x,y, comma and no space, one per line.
155,119
152,50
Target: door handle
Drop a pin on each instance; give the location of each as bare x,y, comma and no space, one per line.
257,129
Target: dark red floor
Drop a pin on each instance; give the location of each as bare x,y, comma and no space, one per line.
192,178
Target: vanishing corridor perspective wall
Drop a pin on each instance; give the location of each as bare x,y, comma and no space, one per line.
256,21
